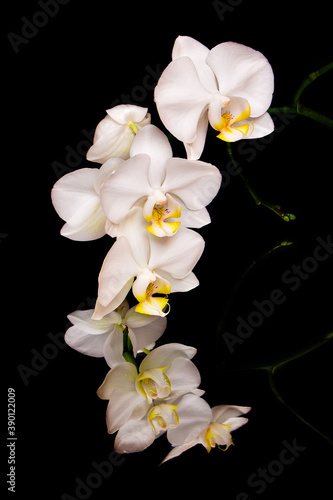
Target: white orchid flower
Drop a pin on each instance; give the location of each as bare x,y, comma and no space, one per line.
230,87
165,374
115,133
104,337
170,190
149,265
216,431
183,415
76,199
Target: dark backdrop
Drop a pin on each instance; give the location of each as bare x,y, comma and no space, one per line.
61,73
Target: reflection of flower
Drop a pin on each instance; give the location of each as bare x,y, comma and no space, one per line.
115,133
104,337
216,430
229,86
167,188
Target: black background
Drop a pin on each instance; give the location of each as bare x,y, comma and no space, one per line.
59,84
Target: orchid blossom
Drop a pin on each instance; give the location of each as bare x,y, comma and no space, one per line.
216,430
170,190
149,265
230,87
183,415
104,337
115,133
164,375
76,198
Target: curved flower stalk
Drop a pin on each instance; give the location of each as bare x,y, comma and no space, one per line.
115,133
135,396
152,265
170,190
230,87
104,338
215,430
76,199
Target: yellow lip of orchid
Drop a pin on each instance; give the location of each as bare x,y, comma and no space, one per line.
153,383
163,416
230,132
159,224
217,432
148,304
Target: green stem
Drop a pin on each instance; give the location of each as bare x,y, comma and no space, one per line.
301,110
128,349
309,79
298,109
318,117
275,208
290,408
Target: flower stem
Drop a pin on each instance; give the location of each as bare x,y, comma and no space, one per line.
279,396
309,79
298,109
128,349
275,208
301,110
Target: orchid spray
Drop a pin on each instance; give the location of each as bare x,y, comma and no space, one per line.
150,205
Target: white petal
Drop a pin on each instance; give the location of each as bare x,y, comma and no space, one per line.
134,436
82,319
262,126
113,348
120,408
195,148
133,228
106,169
111,140
243,72
184,376
88,223
195,218
126,113
91,345
196,183
124,187
236,422
181,98
100,311
118,268
176,255
72,191
178,450
165,354
194,416
121,377
223,412
152,142
180,285
148,335
197,52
